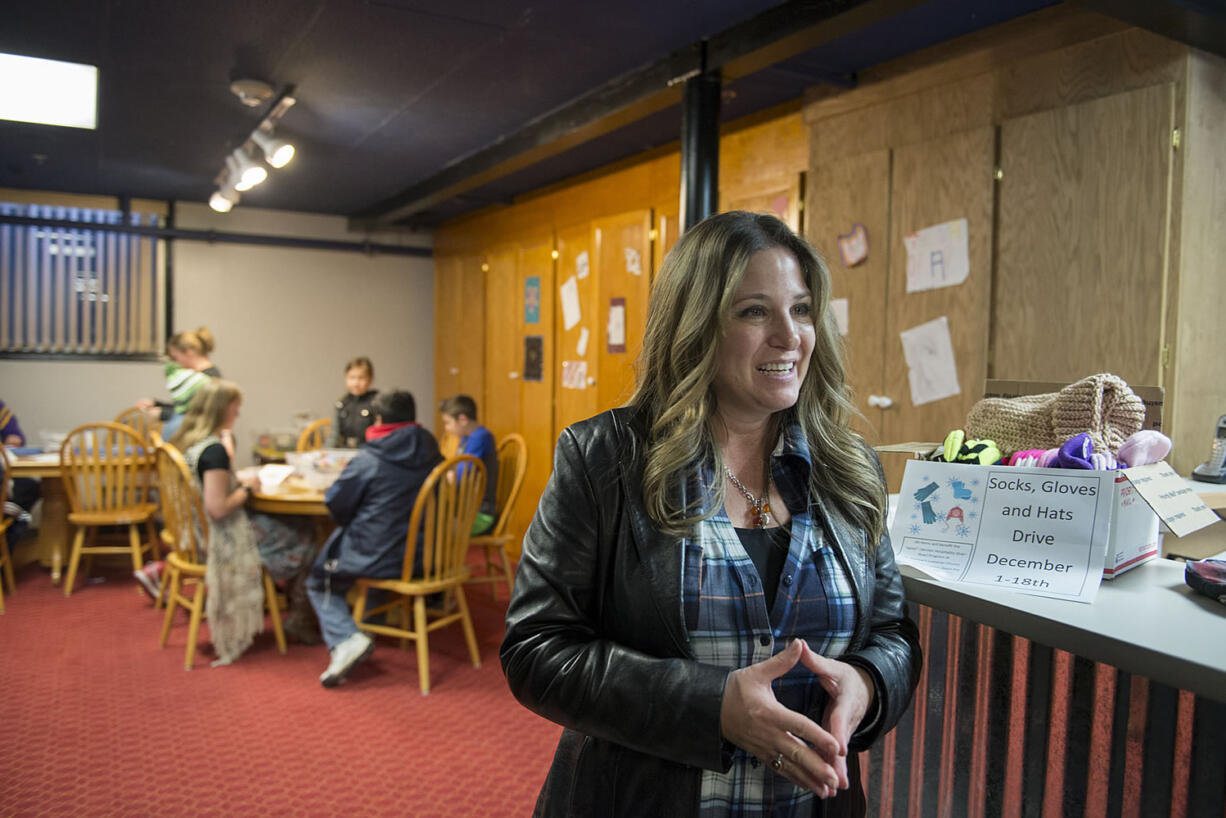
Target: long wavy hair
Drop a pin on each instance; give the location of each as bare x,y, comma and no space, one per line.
687,319
206,413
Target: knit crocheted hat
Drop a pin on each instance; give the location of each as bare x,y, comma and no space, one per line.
1102,406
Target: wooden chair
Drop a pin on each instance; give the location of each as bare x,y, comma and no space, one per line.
442,520
314,435
136,418
6,559
106,468
183,511
512,465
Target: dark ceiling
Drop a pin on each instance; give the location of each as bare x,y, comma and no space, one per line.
413,112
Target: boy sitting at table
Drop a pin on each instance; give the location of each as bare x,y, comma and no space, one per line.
371,502
460,419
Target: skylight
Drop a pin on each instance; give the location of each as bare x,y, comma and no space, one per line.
48,92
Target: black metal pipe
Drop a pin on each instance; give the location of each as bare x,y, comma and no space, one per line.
700,148
213,236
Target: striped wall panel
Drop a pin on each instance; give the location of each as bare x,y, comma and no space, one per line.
1002,726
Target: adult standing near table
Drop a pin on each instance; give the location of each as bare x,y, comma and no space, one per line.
189,367
707,599
355,409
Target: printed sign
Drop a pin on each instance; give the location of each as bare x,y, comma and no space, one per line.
1041,531
534,357
616,330
532,300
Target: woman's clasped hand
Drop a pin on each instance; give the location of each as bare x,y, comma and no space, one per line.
809,755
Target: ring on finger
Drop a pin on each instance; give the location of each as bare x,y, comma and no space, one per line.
777,763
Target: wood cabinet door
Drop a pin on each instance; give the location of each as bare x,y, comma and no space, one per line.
1082,253
575,354
778,197
536,285
500,412
459,332
932,183
469,332
622,252
448,289
667,221
841,195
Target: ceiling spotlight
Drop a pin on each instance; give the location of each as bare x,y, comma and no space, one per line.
248,173
225,196
277,152
220,203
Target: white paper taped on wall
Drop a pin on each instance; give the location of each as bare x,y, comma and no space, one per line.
634,262
853,247
570,303
937,256
931,368
581,347
574,374
617,325
838,306
581,265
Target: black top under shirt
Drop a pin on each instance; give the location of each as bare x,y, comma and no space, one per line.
768,548
214,456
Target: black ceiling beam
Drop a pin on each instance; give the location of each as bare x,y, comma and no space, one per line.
771,37
1204,29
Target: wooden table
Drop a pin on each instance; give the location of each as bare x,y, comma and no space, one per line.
52,542
293,496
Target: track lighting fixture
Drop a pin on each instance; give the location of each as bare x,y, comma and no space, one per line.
226,196
277,152
242,172
249,173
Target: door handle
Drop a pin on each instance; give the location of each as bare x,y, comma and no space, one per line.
880,401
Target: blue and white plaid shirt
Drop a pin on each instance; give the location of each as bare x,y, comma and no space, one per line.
725,611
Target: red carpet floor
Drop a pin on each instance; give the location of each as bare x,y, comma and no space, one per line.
96,720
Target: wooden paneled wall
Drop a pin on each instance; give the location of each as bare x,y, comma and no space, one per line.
602,237
1078,261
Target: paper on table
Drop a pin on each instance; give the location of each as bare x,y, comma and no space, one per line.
931,368
838,306
570,303
937,256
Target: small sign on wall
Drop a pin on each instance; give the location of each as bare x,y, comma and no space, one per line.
532,300
534,357
617,325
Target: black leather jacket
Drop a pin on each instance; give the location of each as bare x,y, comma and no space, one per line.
596,639
353,417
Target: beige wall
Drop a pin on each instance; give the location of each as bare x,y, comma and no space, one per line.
286,320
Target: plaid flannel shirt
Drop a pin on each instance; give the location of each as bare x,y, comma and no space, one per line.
725,611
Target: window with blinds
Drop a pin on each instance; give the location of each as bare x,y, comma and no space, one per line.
77,291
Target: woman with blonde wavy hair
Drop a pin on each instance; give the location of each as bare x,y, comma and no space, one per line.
239,543
707,600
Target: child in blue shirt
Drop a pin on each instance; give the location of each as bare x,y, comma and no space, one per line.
460,419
